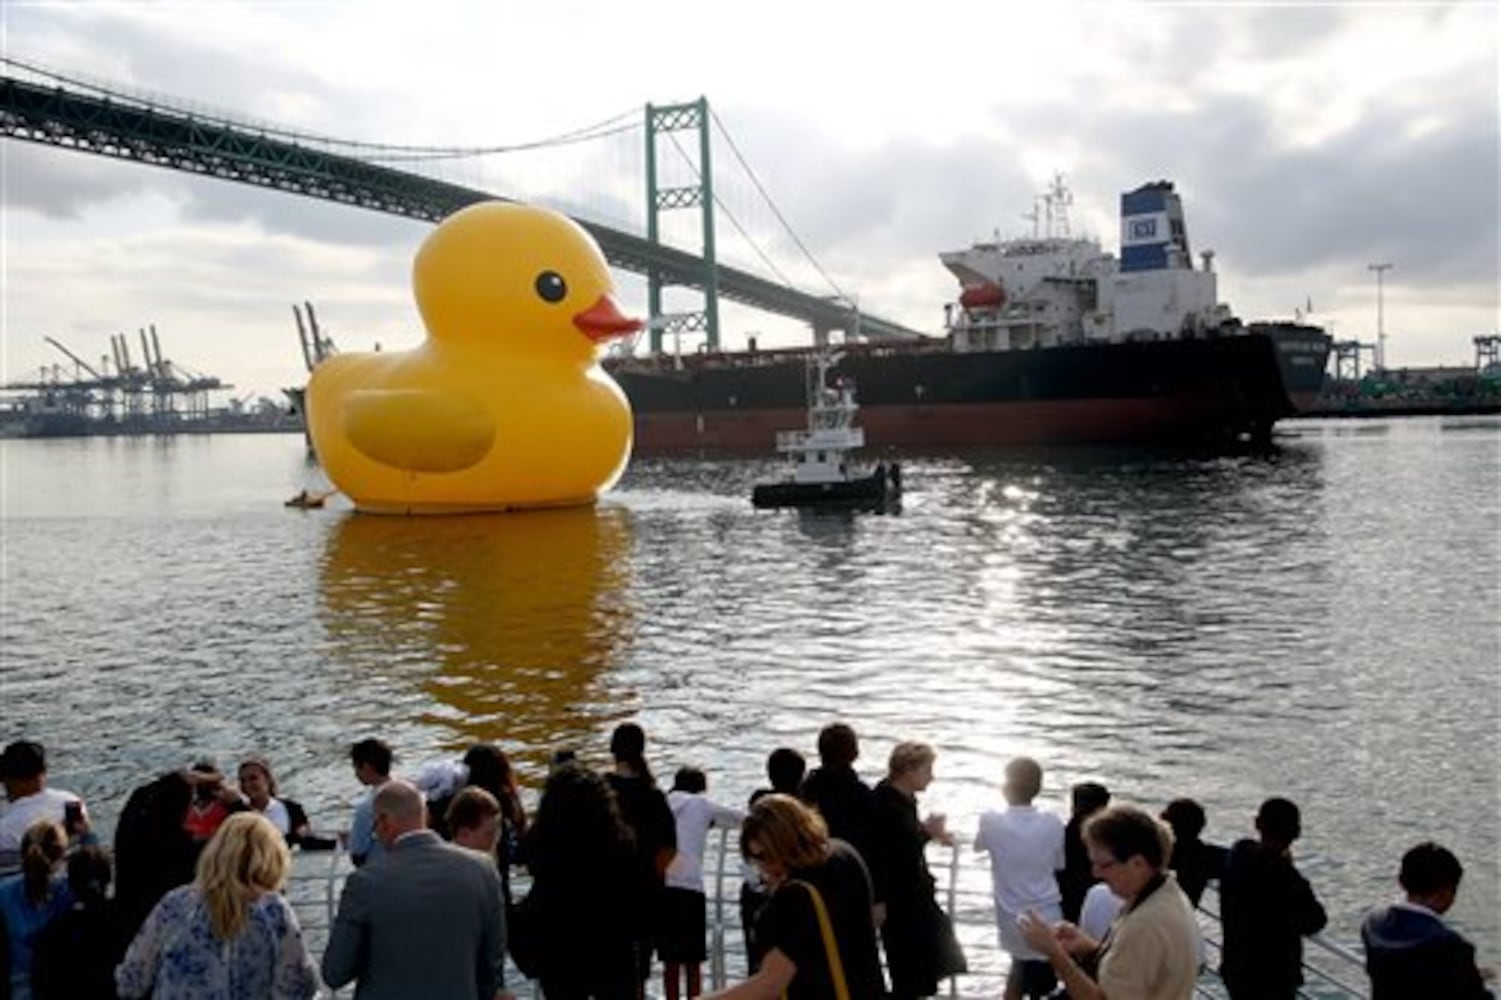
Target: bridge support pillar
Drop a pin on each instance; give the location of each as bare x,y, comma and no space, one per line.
669,118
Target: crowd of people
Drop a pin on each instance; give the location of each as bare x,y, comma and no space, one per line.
1098,906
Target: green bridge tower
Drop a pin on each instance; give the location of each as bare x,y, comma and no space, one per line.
677,118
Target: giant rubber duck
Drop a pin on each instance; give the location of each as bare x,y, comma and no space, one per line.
504,405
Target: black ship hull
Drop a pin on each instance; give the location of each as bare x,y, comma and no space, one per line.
870,492
916,396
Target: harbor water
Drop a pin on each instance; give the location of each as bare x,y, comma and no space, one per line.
1321,621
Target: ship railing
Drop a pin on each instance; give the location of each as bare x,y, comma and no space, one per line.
1332,970
823,438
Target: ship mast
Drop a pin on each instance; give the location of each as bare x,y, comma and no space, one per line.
1057,200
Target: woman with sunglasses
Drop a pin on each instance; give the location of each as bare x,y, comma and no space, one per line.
817,931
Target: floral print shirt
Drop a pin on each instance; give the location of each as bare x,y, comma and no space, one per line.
176,956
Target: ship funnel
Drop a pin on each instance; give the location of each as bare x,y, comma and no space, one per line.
1153,234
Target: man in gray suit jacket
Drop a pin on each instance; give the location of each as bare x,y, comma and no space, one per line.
423,919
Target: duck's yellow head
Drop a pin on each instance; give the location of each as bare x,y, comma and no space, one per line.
527,280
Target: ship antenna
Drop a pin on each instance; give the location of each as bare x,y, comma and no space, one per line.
1034,216
1059,198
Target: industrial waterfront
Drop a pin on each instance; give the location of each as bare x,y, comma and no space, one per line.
1320,621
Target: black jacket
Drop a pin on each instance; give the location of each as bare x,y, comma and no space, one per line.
848,807
1412,953
1266,907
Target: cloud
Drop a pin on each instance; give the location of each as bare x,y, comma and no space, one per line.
1306,141
61,185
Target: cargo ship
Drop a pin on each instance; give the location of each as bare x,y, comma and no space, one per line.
1052,340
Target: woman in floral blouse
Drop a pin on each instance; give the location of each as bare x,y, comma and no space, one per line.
230,935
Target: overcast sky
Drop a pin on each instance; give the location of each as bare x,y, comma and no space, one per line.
1307,141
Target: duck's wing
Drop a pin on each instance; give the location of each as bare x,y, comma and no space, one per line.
418,430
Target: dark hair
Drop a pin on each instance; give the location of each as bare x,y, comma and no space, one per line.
690,779
22,759
1126,831
264,766
577,824
786,767
490,769
1089,797
628,745
1429,868
838,746
89,874
1278,820
373,752
471,807
1186,817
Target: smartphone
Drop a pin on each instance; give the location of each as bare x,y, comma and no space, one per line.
73,816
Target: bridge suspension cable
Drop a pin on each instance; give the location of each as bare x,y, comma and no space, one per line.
375,152
731,216
772,205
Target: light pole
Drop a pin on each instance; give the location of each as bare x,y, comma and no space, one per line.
1380,270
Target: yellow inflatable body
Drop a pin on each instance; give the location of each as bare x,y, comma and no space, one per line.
504,405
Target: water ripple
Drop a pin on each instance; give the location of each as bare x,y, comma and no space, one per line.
1320,622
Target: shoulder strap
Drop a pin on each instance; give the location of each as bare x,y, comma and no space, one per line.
830,946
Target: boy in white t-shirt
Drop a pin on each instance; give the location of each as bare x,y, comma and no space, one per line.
1025,847
681,945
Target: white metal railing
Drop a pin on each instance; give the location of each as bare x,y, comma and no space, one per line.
1333,970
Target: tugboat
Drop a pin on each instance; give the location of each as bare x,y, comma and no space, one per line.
820,472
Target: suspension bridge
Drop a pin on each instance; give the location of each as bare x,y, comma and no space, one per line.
42,106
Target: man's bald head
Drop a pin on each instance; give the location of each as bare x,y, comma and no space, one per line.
399,808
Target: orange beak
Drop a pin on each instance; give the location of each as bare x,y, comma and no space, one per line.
604,320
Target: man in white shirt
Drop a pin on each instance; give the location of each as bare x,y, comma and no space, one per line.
1025,847
23,768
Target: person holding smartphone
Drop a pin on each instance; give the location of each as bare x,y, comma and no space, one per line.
23,769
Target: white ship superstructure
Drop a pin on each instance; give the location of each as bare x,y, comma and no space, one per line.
1054,288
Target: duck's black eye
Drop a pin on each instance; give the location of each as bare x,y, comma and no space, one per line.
551,286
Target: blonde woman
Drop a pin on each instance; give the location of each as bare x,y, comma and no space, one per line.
230,934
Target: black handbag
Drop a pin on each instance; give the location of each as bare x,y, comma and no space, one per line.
951,960
525,935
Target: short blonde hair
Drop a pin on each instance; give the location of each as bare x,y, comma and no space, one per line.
909,756
788,832
245,859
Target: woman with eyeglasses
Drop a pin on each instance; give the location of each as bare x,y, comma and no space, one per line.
1151,951
817,930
